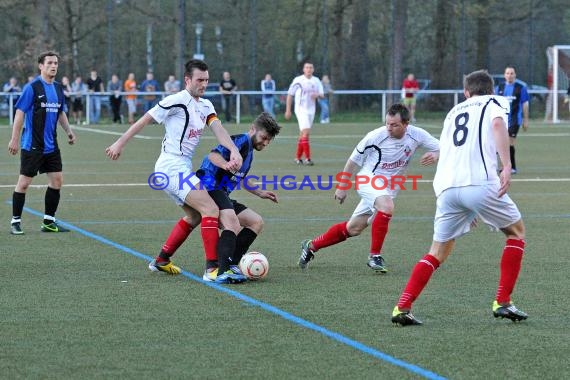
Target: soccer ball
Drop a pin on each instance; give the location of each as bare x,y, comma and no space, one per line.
254,265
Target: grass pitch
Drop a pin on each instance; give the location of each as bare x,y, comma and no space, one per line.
83,304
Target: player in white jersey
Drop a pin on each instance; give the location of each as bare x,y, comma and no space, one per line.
185,115
306,89
381,159
467,186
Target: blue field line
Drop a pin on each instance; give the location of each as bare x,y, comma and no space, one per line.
267,307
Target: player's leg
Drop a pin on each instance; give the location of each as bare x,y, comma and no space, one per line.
177,236
513,132
251,226
18,201
502,213
52,166
305,121
384,206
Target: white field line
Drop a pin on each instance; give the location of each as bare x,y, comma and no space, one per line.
314,181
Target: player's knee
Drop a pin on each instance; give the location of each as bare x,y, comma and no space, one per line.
257,225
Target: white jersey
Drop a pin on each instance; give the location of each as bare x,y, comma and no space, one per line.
468,153
303,89
379,154
184,119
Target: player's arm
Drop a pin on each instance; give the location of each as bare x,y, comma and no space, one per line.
64,122
114,151
350,168
501,137
288,103
14,144
525,116
225,140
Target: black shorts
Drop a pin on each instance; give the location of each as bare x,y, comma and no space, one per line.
224,202
77,105
33,162
514,130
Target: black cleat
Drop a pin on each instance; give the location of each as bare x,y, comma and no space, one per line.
306,254
404,318
511,312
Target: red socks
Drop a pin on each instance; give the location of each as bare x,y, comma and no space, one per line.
303,147
210,237
510,268
418,280
177,236
379,231
335,234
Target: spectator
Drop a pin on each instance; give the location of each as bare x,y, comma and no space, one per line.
410,87
95,87
149,85
227,88
78,88
131,86
172,85
268,100
12,86
66,93
115,86
324,102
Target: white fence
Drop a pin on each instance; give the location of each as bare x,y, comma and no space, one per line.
251,100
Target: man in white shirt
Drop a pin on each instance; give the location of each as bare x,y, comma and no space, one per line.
467,187
381,159
306,89
185,115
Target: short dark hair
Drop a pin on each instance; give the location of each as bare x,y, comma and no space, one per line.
266,122
50,53
194,64
399,108
478,83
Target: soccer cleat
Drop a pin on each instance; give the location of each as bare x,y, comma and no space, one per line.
404,318
514,171
16,229
210,274
229,277
235,269
510,312
53,227
376,263
298,162
167,267
308,162
307,254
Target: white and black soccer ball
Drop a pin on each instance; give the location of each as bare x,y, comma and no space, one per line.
254,265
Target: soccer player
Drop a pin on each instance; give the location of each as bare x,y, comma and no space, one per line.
467,186
306,89
384,152
241,225
42,103
517,95
185,115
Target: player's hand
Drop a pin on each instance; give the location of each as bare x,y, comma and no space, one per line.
235,162
114,151
340,195
525,125
429,158
269,195
13,146
71,138
287,115
505,181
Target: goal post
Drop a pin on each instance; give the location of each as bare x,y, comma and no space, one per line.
559,66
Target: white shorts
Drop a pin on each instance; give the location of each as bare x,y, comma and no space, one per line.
457,207
179,177
368,195
305,119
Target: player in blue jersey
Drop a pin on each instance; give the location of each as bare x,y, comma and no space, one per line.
241,225
38,111
517,95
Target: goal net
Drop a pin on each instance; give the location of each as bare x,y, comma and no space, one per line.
557,103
